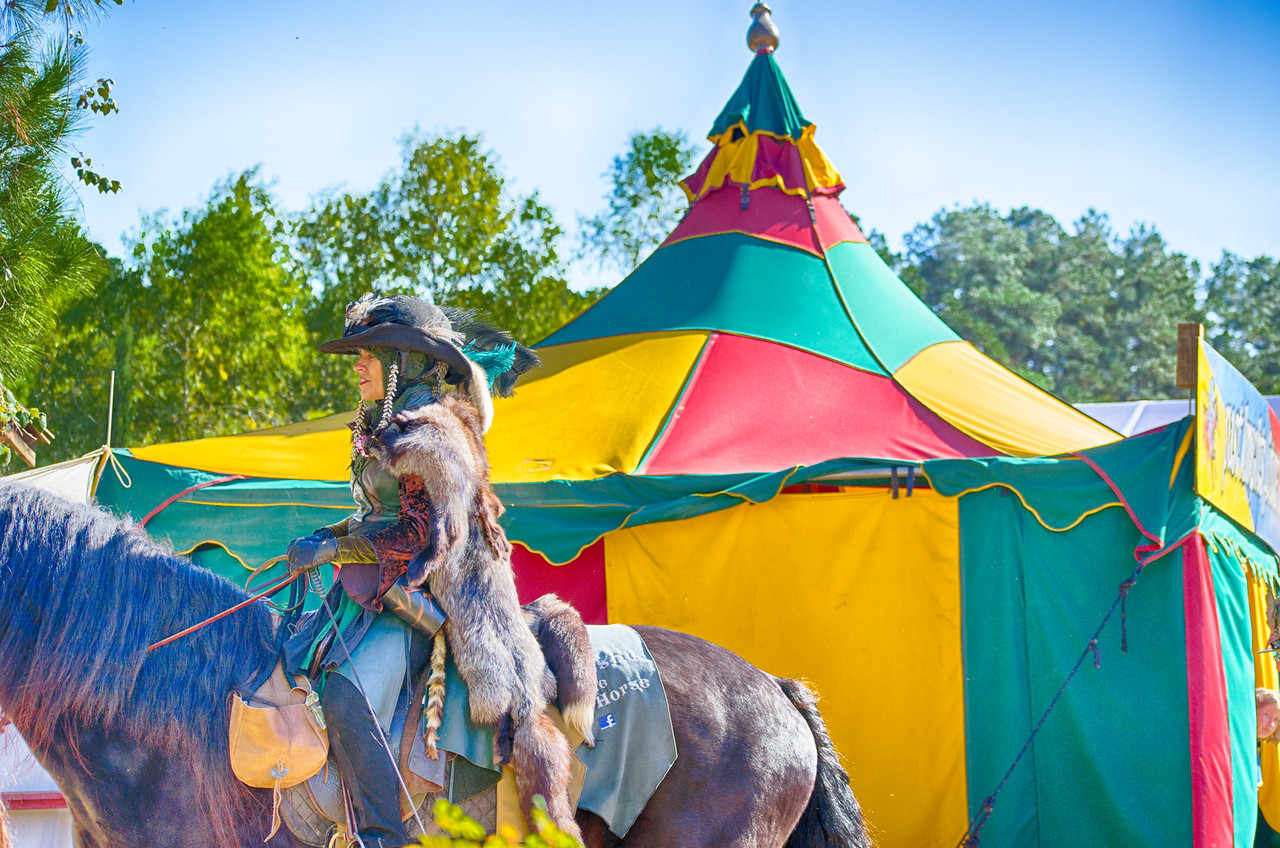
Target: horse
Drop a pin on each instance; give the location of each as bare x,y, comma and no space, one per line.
137,740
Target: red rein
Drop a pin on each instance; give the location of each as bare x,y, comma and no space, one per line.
271,587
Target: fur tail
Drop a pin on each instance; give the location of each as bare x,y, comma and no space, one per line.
540,756
563,637
435,693
833,818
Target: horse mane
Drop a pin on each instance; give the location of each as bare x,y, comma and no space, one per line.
82,596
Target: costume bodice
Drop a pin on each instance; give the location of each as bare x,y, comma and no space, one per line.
375,490
377,496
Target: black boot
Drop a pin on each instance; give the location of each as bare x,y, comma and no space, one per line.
367,770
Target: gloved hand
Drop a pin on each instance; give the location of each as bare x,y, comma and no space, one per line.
310,551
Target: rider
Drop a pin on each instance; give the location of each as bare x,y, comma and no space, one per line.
409,353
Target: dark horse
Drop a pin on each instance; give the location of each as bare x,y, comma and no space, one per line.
138,741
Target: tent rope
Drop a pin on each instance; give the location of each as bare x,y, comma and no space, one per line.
972,836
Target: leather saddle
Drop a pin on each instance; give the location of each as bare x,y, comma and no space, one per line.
315,810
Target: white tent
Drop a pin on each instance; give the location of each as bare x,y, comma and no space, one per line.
1130,417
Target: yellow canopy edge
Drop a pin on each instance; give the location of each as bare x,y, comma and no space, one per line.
852,591
309,450
592,409
995,406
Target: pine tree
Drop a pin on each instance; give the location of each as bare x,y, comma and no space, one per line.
45,258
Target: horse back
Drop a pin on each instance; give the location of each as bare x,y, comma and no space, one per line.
746,757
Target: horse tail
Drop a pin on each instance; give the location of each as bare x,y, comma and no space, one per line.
832,818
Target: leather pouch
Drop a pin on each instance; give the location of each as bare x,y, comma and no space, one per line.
277,737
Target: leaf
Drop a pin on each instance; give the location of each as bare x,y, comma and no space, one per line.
51,6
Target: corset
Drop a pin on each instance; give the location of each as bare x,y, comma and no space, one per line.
377,496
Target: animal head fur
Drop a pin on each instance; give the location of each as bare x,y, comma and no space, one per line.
443,444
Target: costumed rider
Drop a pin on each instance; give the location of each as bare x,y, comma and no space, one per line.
408,530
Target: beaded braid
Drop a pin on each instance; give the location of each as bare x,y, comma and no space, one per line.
359,433
389,395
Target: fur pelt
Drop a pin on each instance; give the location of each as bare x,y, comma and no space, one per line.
567,648
469,569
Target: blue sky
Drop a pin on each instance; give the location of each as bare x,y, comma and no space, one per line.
1165,112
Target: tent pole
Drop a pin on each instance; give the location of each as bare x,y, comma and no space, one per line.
111,408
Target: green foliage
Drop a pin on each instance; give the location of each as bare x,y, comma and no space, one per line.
92,178
465,832
45,259
427,228
528,295
205,329
645,201
445,226
1087,314
1242,299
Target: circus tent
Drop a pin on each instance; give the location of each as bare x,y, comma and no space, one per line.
727,443
763,340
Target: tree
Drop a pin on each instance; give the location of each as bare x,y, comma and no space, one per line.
1086,314
94,336
1242,302
974,268
528,296
443,226
45,260
205,328
645,201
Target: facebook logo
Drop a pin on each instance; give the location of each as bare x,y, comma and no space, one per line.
607,721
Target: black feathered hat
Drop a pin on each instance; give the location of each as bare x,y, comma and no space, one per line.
404,323
476,354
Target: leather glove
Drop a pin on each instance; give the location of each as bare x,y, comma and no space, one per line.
310,551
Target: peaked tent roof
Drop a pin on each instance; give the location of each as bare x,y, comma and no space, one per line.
766,333
762,343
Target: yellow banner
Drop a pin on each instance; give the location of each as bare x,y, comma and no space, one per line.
1237,467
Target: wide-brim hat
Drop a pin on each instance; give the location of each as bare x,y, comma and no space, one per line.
402,323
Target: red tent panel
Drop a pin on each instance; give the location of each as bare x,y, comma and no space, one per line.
580,582
759,405
771,214
1211,798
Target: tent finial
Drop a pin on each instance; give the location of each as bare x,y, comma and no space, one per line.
762,37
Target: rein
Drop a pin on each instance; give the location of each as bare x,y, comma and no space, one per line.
272,587
316,585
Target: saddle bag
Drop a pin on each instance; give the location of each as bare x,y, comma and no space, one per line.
278,737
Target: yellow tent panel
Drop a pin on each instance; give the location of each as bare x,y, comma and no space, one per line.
864,603
994,405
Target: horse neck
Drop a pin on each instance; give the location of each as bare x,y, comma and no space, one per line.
107,777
